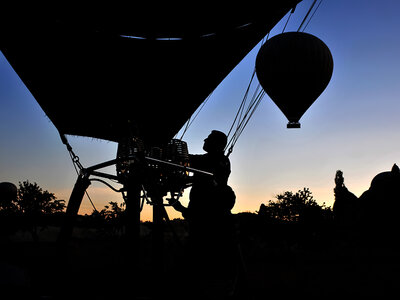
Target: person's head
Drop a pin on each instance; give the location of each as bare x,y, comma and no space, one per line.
215,142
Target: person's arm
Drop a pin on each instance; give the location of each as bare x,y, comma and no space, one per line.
179,207
196,161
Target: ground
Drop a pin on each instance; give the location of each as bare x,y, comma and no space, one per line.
280,261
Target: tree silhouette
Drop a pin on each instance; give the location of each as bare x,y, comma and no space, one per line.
110,219
299,207
33,200
33,203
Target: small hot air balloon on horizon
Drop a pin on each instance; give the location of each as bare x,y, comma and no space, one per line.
294,68
8,191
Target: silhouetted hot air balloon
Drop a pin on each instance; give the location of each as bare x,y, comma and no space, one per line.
112,73
294,68
8,191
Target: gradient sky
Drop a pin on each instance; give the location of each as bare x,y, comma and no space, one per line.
353,126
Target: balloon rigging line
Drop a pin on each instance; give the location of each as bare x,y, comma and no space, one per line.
242,103
287,21
306,16
190,120
252,107
312,15
241,107
249,109
73,158
242,122
242,118
257,102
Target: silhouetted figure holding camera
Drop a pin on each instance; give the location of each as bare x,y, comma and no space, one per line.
375,212
212,248
346,203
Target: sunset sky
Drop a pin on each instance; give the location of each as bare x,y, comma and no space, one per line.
353,126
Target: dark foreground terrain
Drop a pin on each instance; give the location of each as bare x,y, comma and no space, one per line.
281,260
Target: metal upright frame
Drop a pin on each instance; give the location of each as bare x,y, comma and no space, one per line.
132,186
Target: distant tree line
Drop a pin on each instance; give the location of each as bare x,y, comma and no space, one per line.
295,208
31,200
34,208
30,209
109,221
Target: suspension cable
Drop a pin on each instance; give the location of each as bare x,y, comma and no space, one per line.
287,21
76,163
306,16
241,107
253,105
244,114
190,121
312,15
251,112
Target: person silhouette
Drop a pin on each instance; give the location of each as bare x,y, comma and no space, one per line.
346,203
210,196
212,246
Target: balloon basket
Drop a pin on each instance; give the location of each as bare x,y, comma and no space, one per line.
293,125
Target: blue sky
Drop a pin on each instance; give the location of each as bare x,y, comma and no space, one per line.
353,125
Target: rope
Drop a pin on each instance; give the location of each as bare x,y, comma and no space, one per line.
287,21
243,119
242,103
76,163
254,103
312,15
306,16
190,120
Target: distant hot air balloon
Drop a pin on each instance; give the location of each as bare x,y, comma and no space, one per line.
8,191
294,68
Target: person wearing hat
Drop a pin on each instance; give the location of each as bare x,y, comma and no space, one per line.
205,195
211,252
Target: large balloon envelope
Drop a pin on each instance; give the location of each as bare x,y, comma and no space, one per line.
294,68
141,69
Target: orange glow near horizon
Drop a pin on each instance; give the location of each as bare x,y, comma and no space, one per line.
101,196
247,200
